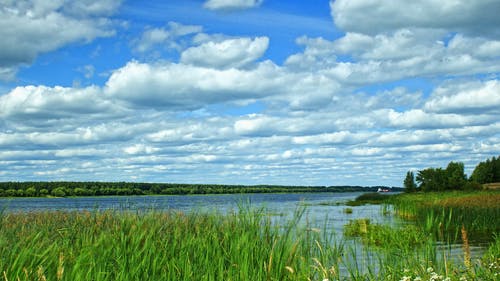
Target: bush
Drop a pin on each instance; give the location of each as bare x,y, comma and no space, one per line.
58,192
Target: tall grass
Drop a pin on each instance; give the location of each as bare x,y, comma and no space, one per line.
241,245
445,214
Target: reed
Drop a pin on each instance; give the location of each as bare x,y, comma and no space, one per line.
242,245
246,244
444,214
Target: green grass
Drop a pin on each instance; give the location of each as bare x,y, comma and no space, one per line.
369,198
243,245
445,214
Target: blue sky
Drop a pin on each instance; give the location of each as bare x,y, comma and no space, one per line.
246,91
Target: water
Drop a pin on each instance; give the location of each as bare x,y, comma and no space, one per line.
321,209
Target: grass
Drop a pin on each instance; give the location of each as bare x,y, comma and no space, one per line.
437,218
368,198
446,213
242,245
401,239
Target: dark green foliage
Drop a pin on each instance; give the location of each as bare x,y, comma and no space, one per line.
432,179
439,179
455,176
369,198
61,189
487,172
409,182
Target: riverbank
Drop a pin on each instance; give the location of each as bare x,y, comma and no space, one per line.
244,244
65,189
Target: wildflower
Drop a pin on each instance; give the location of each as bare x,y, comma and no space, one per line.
406,278
417,278
430,269
463,278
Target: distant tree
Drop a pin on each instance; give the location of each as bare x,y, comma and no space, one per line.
30,192
487,171
496,168
44,192
409,182
10,192
432,179
58,192
455,176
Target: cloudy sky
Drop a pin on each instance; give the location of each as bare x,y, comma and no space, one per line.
246,91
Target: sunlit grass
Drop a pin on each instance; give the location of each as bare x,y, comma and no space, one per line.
247,244
446,213
243,245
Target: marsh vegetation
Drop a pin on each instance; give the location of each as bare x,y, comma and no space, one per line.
250,244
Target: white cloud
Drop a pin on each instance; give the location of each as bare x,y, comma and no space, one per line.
226,54
325,116
35,27
418,118
472,97
189,87
41,103
140,149
164,37
373,17
231,4
342,137
404,53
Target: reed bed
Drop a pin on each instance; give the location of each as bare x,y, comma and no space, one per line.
243,245
446,214
246,244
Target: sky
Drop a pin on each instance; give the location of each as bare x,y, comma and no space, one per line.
345,92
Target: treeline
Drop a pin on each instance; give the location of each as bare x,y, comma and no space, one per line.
453,177
62,189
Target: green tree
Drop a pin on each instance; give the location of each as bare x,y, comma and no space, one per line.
409,182
487,171
44,192
455,175
30,192
58,192
432,179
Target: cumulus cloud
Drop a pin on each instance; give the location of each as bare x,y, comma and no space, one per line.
373,17
164,37
471,98
231,4
187,86
226,54
322,117
44,103
397,55
35,27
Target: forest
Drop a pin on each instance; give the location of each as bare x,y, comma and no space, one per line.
63,189
453,177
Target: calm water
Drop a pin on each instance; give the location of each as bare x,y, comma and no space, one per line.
321,208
